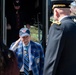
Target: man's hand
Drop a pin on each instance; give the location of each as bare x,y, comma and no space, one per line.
16,44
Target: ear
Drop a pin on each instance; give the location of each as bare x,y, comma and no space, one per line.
57,13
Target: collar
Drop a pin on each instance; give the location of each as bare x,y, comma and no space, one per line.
27,44
63,18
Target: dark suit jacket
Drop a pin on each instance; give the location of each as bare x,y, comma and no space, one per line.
60,57
12,20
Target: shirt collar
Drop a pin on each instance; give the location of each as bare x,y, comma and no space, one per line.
27,44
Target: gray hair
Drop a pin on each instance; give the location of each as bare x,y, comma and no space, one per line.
73,7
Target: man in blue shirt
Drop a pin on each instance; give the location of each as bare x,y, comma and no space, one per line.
35,52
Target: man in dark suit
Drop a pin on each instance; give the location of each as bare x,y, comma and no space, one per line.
15,20
60,56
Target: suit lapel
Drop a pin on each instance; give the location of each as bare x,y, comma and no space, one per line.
20,50
33,54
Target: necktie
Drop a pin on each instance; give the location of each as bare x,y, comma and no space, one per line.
26,61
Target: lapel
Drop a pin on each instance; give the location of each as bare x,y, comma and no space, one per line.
20,49
33,56
33,50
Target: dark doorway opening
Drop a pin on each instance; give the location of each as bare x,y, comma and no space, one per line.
31,11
